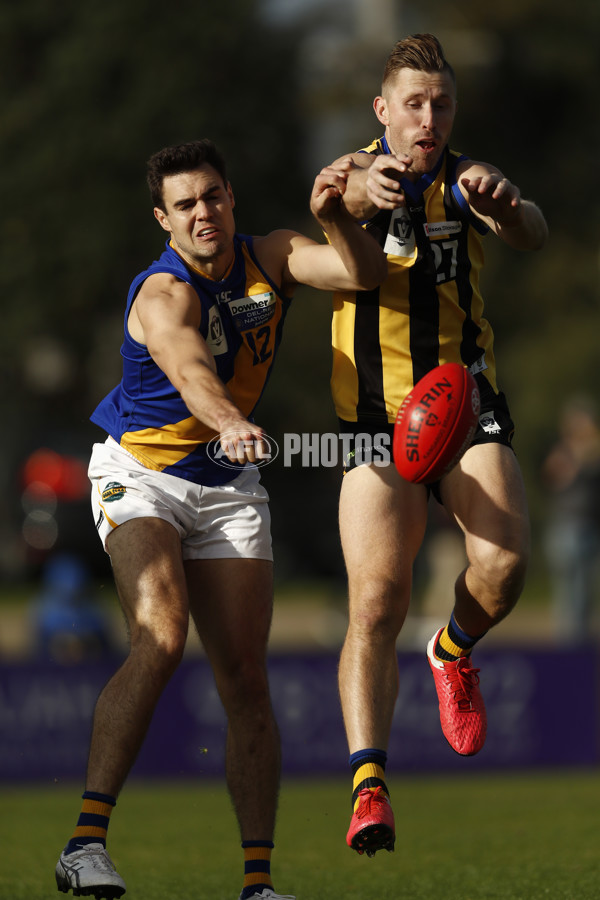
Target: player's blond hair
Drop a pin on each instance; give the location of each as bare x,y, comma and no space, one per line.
422,52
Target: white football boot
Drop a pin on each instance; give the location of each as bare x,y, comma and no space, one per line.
89,872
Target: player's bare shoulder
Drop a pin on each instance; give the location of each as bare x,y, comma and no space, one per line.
161,295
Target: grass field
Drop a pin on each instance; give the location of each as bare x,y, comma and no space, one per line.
532,836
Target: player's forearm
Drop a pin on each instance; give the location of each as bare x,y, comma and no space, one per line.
362,256
530,232
207,398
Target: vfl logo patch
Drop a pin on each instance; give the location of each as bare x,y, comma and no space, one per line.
113,491
400,240
215,336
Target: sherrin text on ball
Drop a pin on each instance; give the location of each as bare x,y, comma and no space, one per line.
436,423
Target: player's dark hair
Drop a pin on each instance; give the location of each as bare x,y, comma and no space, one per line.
422,52
178,159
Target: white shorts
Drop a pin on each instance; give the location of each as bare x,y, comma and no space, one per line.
228,521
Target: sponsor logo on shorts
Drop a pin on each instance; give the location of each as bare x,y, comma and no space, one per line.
100,520
488,422
264,453
366,450
479,365
113,491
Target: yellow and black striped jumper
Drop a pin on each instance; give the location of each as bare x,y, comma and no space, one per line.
429,311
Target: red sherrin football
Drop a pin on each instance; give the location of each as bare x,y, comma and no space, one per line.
436,423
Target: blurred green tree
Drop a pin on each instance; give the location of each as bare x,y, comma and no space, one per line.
88,92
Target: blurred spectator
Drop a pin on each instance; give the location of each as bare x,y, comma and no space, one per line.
69,624
571,473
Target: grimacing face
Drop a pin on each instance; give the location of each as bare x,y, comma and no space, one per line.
418,109
198,214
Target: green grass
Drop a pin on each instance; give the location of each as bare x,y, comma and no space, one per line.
531,836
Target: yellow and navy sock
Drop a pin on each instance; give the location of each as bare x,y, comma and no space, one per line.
453,642
368,771
257,867
92,824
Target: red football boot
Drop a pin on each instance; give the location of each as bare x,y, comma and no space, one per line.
462,711
372,825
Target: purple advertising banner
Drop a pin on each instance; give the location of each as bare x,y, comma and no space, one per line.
543,710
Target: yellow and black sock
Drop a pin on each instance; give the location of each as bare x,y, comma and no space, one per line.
368,771
257,867
453,642
92,824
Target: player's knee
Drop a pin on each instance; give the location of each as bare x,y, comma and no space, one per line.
503,570
171,647
244,682
164,646
378,612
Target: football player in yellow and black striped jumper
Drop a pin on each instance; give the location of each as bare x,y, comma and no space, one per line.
430,208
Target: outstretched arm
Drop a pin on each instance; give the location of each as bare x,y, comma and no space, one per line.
352,260
498,203
166,317
362,257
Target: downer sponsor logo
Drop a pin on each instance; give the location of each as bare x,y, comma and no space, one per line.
251,312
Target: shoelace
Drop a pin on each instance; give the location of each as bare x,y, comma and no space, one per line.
367,798
462,679
100,860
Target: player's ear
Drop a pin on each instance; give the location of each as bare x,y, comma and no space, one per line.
161,217
381,110
230,194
